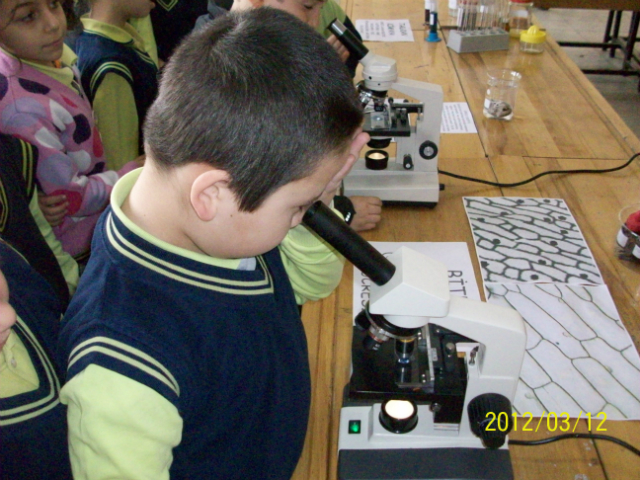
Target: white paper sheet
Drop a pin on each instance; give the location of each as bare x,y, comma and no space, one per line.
579,358
455,255
457,118
385,30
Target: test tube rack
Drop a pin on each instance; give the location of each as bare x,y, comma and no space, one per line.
464,41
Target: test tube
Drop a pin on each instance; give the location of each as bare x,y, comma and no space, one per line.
482,15
453,8
463,15
504,14
470,15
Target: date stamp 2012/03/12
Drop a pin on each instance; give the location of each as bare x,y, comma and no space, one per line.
527,423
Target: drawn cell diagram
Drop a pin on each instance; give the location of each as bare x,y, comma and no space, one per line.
529,240
579,357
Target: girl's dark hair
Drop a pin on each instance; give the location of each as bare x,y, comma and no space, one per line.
73,20
81,7
258,94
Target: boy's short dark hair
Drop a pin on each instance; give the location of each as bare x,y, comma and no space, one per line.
258,94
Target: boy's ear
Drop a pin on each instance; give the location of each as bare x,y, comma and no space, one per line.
207,191
358,141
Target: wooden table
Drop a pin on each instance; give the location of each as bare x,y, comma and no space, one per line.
561,122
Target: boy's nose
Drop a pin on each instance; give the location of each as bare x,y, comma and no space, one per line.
313,19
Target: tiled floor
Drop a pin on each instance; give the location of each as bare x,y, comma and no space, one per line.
579,25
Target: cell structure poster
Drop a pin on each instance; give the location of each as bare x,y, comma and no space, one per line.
455,255
579,359
529,240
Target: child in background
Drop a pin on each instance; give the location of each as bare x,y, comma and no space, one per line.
186,354
22,223
330,11
172,20
317,13
42,102
118,74
362,213
33,427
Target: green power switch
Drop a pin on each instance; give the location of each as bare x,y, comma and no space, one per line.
354,427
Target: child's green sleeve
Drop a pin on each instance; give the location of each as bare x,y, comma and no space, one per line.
67,264
117,121
313,266
118,428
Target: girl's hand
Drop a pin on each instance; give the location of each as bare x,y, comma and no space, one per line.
54,208
368,212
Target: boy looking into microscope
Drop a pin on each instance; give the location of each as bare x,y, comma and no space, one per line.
185,351
361,212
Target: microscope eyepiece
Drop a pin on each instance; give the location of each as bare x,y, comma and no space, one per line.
348,39
322,220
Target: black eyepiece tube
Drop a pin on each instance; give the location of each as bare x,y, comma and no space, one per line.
343,238
348,39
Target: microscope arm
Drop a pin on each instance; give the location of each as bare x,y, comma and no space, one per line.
501,337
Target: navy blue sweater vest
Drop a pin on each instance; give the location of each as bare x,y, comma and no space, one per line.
173,20
17,185
99,55
33,425
228,349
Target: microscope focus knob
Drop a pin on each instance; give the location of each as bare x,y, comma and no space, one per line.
399,416
428,150
490,418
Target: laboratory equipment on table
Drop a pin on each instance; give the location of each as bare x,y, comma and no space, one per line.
432,375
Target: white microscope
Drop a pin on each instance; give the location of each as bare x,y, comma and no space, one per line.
412,176
435,402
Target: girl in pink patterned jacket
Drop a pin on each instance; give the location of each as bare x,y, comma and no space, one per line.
42,102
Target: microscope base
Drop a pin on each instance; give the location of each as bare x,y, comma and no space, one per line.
393,184
425,464
367,451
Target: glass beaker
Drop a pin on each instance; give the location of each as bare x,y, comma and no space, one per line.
500,99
